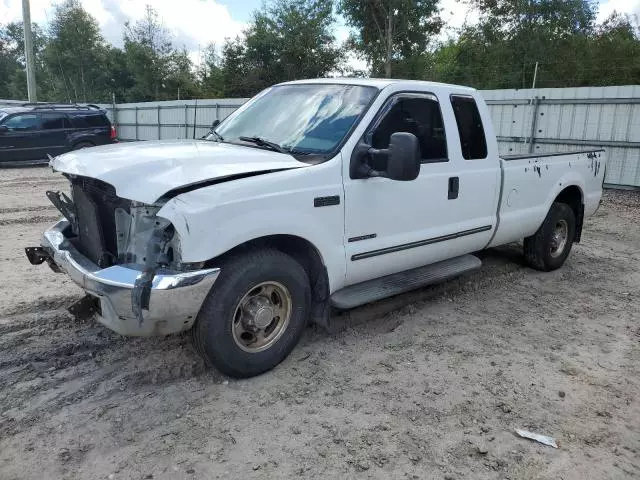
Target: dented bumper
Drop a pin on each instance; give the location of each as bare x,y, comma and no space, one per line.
174,301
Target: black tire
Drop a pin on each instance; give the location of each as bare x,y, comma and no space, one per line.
80,145
541,250
213,334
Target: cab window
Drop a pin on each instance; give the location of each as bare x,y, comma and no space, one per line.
472,138
418,114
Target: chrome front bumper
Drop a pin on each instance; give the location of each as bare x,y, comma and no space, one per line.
175,298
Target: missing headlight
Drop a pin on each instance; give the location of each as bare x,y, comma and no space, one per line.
143,237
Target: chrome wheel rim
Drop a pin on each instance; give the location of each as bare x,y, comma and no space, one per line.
559,238
261,317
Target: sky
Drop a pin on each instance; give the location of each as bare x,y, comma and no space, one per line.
195,23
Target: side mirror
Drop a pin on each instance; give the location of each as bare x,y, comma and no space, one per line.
404,157
3,129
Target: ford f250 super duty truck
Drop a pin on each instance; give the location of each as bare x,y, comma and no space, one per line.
313,195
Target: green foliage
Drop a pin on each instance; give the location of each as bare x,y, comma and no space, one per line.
392,33
614,53
292,39
10,67
75,50
210,73
13,78
502,49
158,70
555,17
287,40
235,69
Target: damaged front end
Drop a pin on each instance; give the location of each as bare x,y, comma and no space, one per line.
126,258
145,239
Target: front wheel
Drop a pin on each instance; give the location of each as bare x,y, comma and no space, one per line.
549,247
255,314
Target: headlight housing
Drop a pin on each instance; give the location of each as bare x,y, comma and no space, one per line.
144,238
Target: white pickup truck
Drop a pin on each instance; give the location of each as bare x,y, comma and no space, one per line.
315,194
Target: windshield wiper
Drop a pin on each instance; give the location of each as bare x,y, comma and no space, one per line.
261,142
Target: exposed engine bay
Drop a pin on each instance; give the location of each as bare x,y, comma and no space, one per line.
110,230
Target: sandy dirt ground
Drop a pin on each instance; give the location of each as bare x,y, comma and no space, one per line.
427,385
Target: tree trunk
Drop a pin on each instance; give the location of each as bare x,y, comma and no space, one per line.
84,88
389,45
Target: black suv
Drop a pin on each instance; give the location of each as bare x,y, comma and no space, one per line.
30,132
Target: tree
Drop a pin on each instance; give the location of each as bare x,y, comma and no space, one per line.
286,40
210,73
75,51
298,35
158,70
526,28
561,17
614,52
502,49
147,47
180,80
388,32
118,80
235,69
13,78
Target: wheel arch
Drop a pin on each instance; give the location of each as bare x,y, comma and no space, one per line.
573,196
80,141
301,249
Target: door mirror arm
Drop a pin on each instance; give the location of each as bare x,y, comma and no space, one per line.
372,152
358,166
363,169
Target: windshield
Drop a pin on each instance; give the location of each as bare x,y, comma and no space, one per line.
303,118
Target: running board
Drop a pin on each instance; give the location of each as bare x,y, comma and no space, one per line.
379,288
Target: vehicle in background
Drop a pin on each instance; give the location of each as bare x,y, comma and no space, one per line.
33,131
313,195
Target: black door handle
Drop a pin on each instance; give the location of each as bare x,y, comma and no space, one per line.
454,184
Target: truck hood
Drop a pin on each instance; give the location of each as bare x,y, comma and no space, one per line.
145,171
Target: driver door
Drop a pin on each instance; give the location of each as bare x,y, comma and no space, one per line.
20,139
391,226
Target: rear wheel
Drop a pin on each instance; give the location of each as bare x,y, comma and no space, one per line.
550,246
255,314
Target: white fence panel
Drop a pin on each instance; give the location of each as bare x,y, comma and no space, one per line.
569,119
169,120
542,120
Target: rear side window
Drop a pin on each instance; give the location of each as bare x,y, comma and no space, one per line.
91,120
54,121
22,122
472,139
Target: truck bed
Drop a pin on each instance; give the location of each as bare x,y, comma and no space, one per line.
531,182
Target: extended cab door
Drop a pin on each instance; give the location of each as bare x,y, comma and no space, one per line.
449,210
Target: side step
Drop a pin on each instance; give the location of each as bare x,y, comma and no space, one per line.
379,288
